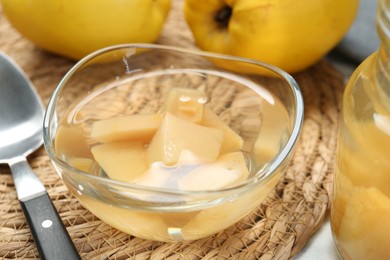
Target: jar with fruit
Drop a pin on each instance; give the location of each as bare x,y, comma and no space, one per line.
360,215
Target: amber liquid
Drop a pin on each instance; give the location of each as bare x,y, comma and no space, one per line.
168,225
360,215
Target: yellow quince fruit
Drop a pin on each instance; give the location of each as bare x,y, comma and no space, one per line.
292,35
74,28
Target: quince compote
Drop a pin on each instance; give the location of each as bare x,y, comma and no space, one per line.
184,145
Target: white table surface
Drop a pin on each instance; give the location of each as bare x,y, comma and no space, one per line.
320,247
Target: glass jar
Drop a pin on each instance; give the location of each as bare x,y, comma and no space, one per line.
360,214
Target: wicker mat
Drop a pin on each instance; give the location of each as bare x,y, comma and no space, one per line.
277,229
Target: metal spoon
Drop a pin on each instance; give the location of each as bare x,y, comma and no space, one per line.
21,119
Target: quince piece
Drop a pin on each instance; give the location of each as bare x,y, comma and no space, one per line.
228,170
157,176
186,103
176,135
148,225
371,156
70,142
123,161
127,128
343,188
364,230
273,133
232,142
83,164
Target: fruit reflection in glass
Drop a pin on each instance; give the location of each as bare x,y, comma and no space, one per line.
161,144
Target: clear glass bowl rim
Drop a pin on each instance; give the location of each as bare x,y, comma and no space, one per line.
267,172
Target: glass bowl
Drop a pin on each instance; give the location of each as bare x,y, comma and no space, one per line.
190,197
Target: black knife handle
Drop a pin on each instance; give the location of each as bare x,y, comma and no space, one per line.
49,233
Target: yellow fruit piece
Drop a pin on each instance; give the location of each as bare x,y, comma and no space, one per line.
359,164
186,103
71,142
342,190
156,176
289,34
228,170
232,141
123,161
274,130
76,28
364,231
148,225
176,135
127,128
365,205
83,164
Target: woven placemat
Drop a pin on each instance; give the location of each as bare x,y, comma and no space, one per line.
277,229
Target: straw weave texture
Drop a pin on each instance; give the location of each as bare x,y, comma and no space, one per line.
277,229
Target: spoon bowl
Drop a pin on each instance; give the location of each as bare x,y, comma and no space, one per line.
21,115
